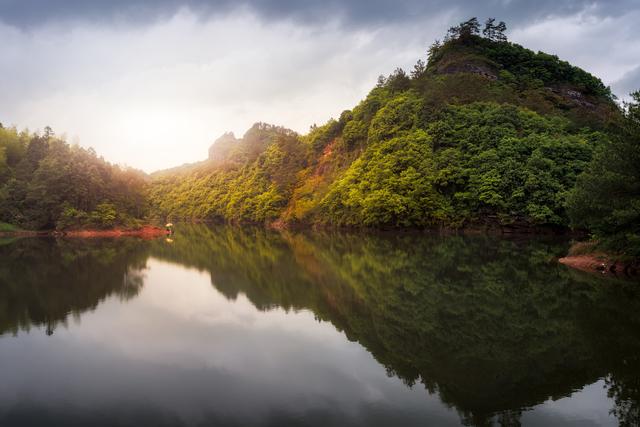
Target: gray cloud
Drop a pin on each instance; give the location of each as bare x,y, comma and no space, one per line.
153,83
30,13
629,82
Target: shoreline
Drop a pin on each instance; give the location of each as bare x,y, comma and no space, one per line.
602,264
147,231
593,263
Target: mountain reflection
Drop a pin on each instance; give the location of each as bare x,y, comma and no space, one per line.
494,326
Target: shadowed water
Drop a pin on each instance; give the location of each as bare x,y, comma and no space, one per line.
230,326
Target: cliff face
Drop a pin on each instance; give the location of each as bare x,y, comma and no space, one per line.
220,149
485,133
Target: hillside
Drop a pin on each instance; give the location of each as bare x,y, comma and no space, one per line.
485,132
46,184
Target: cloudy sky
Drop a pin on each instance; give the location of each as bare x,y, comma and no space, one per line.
152,83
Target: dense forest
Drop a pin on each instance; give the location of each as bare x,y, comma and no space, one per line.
45,183
481,133
606,199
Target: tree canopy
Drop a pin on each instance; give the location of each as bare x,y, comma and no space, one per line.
606,199
45,183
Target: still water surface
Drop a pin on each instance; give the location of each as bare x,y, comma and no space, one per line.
227,326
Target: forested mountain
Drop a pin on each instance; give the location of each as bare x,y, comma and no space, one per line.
45,183
486,132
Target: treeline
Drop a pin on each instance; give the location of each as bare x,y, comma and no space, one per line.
45,183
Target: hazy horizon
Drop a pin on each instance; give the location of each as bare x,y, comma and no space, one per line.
153,84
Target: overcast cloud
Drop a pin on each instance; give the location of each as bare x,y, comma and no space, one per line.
152,83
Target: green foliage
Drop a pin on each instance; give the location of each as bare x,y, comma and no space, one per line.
494,32
46,183
390,184
104,215
252,188
477,162
71,218
464,31
7,227
528,66
354,133
488,133
398,115
606,199
320,137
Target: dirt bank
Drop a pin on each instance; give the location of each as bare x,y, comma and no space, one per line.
146,232
600,263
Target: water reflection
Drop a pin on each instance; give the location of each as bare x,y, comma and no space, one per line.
491,326
43,281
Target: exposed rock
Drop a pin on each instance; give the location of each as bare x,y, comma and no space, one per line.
572,96
220,148
467,67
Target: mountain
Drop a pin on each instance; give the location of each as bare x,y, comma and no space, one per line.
485,133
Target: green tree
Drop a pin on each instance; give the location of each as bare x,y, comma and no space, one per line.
606,199
465,30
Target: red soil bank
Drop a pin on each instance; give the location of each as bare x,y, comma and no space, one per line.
597,263
144,232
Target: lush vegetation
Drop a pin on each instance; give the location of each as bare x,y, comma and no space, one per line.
476,163
484,133
526,67
606,199
45,183
246,180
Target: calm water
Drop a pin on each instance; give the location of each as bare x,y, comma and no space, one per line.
226,326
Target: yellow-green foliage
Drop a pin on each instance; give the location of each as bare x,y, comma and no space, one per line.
254,188
390,184
484,133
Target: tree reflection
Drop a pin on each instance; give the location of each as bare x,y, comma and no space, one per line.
493,325
43,281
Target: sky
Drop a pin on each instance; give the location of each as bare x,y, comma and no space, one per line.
152,83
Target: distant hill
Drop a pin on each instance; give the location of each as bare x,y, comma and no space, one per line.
483,133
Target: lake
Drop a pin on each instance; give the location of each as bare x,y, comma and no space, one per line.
244,326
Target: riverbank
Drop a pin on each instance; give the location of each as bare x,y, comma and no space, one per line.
600,262
147,231
144,232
